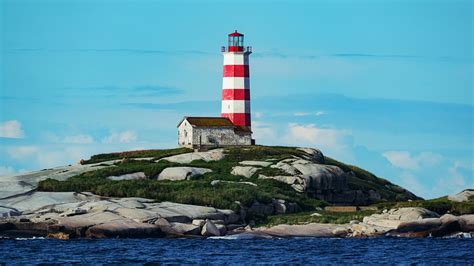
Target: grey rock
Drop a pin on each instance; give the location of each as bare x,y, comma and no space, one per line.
314,155
212,155
394,217
222,229
199,222
256,163
186,229
462,196
210,229
246,171
132,176
181,173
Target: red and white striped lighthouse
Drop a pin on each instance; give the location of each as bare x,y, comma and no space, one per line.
236,81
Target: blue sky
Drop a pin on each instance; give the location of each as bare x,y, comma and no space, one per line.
385,85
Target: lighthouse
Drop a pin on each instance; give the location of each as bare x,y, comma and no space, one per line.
236,81
233,127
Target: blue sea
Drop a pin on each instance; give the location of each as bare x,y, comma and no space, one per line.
225,251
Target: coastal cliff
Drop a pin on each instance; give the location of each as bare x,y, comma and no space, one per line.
224,191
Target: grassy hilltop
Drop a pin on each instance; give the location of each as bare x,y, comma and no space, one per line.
224,195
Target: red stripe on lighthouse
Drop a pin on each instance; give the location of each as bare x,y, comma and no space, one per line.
235,94
239,119
236,71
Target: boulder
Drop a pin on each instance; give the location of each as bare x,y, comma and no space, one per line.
186,229
230,216
307,175
222,229
427,224
462,196
132,176
181,173
212,155
367,230
306,230
210,229
256,163
124,229
199,222
467,222
313,155
160,222
282,207
394,217
246,171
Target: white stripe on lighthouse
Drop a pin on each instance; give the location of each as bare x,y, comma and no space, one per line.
235,83
235,106
235,59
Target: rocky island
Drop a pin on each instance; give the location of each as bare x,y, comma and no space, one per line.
240,192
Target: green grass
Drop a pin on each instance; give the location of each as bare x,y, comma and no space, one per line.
440,205
365,181
199,191
157,154
305,217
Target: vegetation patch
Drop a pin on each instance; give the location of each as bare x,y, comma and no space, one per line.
440,205
307,217
156,154
365,181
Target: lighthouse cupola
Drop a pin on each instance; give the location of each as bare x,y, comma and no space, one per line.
236,81
235,42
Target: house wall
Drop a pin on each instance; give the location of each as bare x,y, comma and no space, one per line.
221,136
185,135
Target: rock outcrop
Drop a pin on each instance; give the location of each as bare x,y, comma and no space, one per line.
246,171
394,217
462,196
181,173
212,155
132,176
69,215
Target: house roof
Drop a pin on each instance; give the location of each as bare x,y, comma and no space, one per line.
208,121
214,122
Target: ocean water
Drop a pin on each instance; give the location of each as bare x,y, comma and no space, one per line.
228,251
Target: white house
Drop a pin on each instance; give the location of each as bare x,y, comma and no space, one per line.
202,132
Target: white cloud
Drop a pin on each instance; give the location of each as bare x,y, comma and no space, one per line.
22,152
46,157
263,132
333,141
301,114
120,137
320,113
11,129
78,139
411,182
404,160
258,114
